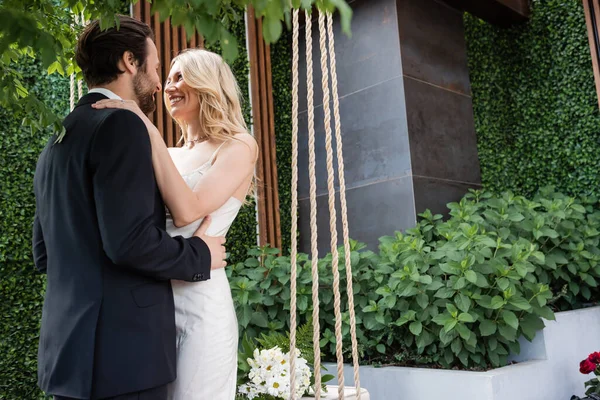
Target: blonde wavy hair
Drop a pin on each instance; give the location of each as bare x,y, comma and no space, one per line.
218,93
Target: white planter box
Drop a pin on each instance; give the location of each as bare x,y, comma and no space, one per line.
548,369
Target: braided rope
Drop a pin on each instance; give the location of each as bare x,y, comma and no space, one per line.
332,211
344,209
313,205
294,252
79,20
72,93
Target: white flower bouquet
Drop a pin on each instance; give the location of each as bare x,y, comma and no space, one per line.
269,375
264,367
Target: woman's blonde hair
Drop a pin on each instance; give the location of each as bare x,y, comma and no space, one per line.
218,93
211,78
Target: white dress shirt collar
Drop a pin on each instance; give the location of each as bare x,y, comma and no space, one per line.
105,92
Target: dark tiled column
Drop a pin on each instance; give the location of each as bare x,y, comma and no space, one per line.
443,144
407,121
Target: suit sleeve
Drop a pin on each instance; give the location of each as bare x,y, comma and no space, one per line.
124,192
39,246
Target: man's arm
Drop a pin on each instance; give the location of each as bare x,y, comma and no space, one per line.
39,246
124,193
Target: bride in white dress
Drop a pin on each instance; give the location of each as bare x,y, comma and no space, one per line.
210,175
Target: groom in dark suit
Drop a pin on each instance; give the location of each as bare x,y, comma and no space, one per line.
108,327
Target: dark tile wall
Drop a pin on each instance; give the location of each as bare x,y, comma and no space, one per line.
443,143
407,120
374,210
374,129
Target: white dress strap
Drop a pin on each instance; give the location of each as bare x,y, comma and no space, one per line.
212,158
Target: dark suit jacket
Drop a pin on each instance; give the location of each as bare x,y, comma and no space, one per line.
108,323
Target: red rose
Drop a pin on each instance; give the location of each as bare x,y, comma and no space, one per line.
595,357
586,366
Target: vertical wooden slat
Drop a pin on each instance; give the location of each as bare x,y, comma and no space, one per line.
271,145
160,107
169,130
593,35
264,131
137,11
264,112
257,125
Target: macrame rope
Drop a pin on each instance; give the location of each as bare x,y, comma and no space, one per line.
331,202
344,208
313,205
294,252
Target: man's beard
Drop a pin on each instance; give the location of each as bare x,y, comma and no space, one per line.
144,92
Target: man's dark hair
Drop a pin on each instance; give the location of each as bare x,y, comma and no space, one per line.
98,52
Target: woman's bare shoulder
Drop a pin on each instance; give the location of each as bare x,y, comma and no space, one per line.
244,144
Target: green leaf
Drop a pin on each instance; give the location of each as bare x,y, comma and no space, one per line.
463,302
380,348
442,319
503,283
346,15
444,293
271,29
463,331
456,346
510,318
471,276
451,309
487,327
416,328
507,332
466,317
259,319
481,281
545,312
449,325
520,303
497,302
229,45
422,300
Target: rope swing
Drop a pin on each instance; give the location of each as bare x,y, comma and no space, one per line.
327,49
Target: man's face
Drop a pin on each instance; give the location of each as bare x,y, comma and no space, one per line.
146,82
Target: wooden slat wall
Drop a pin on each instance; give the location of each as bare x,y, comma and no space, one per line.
592,18
264,131
169,41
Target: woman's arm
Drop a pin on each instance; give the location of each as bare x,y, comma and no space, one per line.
232,168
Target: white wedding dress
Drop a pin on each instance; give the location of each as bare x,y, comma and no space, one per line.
207,329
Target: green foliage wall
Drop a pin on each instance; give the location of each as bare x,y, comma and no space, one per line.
21,289
536,110
281,67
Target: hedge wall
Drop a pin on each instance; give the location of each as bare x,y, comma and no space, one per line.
22,289
281,67
535,105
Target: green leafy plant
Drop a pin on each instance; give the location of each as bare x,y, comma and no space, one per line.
455,292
